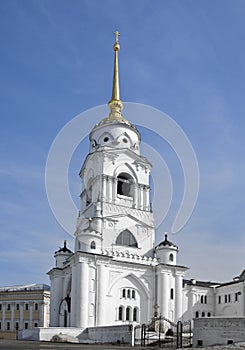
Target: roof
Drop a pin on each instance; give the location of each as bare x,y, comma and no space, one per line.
166,242
27,287
206,284
64,249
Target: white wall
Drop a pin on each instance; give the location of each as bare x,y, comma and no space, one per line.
218,330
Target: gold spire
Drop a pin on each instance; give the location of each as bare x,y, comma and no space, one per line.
115,103
115,88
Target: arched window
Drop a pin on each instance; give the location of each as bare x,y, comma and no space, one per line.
209,314
203,314
93,245
124,293
171,257
89,195
197,314
128,313
120,313
135,314
124,185
126,238
133,294
129,294
171,293
201,299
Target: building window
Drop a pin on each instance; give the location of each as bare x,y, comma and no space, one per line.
126,238
226,298
120,313
0,325
92,308
16,326
124,293
229,298
171,293
202,299
26,306
133,294
124,185
93,245
205,299
26,325
209,314
129,294
0,307
92,285
219,299
135,314
171,257
17,306
35,324
128,313
8,326
197,314
36,306
203,314
8,307
237,296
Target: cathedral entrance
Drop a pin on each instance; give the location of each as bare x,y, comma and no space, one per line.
64,313
164,333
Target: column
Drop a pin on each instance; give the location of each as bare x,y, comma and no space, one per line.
45,313
110,189
74,279
190,303
135,202
82,294
178,297
165,295
21,325
12,326
159,292
147,197
141,204
101,290
30,316
41,315
103,188
4,317
114,189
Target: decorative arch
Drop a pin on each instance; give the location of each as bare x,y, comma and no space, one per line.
128,169
139,284
125,139
105,138
64,312
126,238
88,177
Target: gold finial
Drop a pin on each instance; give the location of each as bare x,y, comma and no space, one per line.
115,88
117,34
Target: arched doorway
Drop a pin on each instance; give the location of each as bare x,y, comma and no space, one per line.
64,312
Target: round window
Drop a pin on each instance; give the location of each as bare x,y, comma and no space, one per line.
106,139
125,140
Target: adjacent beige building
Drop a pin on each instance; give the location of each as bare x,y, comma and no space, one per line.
23,307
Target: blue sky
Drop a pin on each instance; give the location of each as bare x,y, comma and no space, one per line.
185,58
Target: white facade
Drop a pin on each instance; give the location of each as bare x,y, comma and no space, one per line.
116,274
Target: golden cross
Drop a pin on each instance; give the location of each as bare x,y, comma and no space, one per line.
117,35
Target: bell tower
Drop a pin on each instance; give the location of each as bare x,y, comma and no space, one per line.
115,210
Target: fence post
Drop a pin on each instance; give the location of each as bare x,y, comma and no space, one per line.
179,334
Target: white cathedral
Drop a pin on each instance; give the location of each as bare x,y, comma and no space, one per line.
117,275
